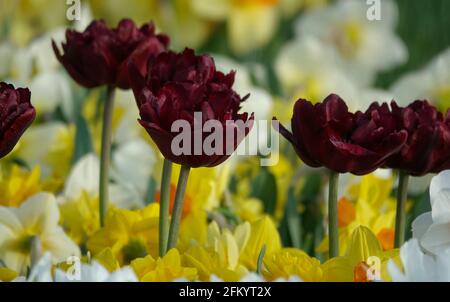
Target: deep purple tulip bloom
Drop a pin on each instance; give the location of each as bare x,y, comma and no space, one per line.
16,115
427,149
101,55
327,134
179,86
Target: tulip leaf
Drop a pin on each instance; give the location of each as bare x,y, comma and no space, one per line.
265,189
291,224
83,140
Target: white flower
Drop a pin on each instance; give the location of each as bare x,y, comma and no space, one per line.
433,228
37,217
260,103
308,69
47,145
131,167
92,272
95,272
366,47
419,266
432,82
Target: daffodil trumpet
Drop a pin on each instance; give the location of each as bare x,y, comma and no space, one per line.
333,214
400,217
164,207
105,153
178,206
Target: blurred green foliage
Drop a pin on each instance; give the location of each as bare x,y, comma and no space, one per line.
424,25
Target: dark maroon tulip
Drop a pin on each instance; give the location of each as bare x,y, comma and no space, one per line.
180,85
16,115
327,134
101,55
427,149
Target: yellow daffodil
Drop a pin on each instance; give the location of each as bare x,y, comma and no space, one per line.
28,18
7,275
283,173
19,184
129,234
369,204
80,217
248,209
364,250
220,255
166,269
36,218
263,233
289,262
251,23
108,260
291,7
193,230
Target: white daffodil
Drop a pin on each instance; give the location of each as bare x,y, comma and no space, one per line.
260,102
366,47
432,83
78,272
131,176
37,217
307,69
95,272
48,145
418,266
433,228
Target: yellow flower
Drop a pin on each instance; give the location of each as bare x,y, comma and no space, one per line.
108,260
203,190
290,262
31,17
193,229
51,146
129,234
18,184
369,204
283,172
166,269
221,253
37,218
7,275
364,248
248,209
251,23
263,233
80,217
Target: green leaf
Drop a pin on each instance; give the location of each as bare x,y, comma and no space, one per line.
83,140
260,260
265,189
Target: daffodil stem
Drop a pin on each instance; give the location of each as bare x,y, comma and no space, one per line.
164,207
400,218
333,214
178,207
105,153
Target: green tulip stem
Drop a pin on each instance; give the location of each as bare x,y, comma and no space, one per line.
178,206
333,231
400,217
164,207
105,153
